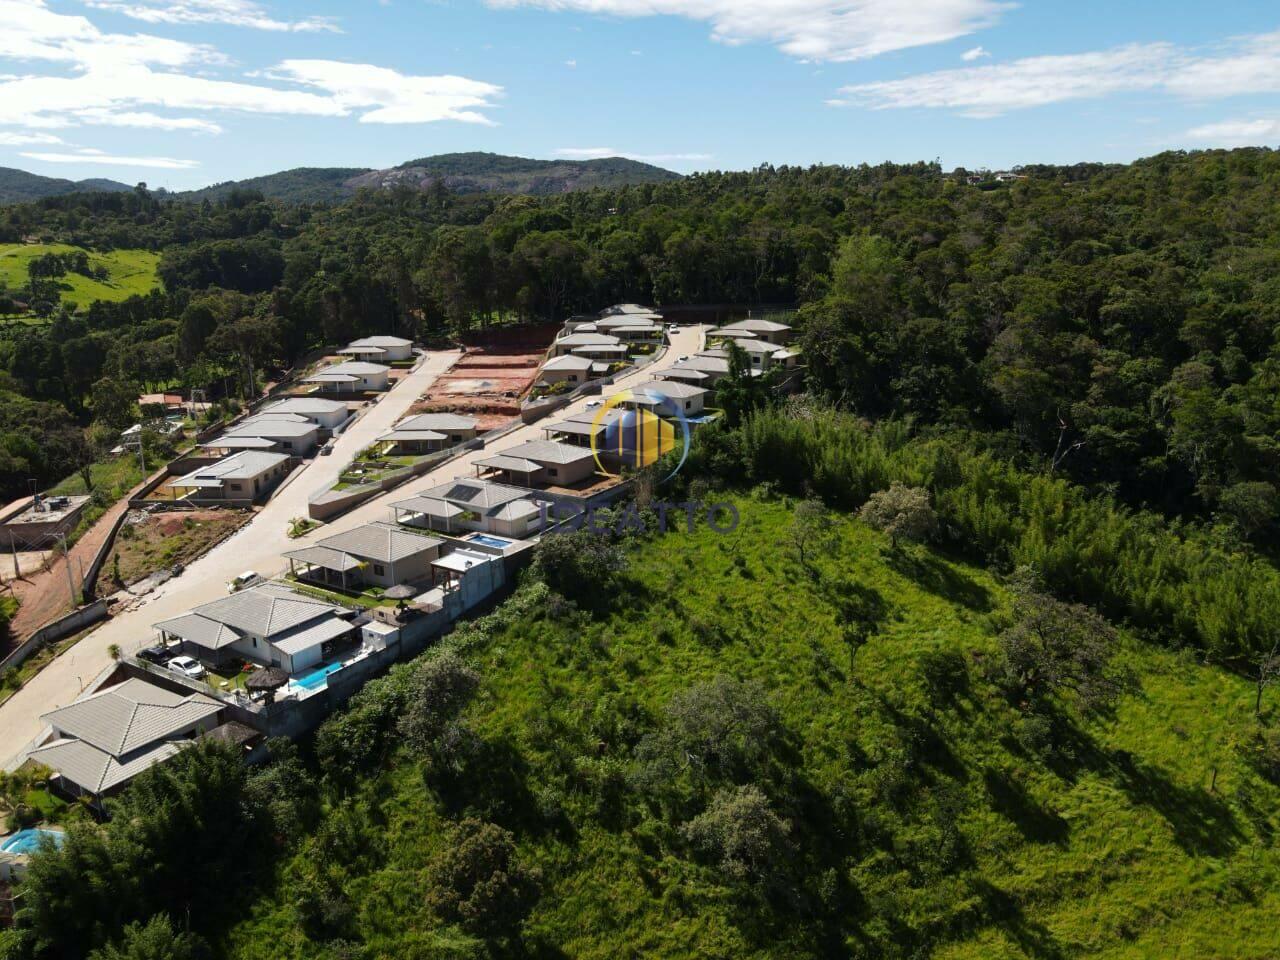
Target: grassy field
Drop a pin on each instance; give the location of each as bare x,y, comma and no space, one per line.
924,825
131,271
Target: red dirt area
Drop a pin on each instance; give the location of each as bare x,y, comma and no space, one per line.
489,380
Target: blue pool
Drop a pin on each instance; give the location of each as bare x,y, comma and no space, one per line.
489,541
28,841
318,677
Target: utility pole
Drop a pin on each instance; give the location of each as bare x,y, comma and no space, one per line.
13,547
71,577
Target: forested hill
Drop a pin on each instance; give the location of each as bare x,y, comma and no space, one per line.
454,172
17,186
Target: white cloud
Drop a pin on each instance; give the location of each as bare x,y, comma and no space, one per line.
977,53
600,153
1236,133
26,139
98,157
392,97
1249,65
114,76
809,29
571,64
235,13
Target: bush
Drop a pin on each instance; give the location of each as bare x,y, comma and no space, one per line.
441,687
740,830
479,882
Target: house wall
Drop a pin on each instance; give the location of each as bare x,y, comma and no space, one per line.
409,570
373,381
561,474
556,376
302,659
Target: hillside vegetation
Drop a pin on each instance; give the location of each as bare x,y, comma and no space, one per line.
921,811
18,186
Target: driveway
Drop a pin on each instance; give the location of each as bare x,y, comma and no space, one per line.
259,545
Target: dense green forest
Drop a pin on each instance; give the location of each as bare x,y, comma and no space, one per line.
1117,322
989,668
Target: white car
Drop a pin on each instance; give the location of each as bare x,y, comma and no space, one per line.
593,403
188,667
246,579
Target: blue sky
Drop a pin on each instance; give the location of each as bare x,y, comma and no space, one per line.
181,93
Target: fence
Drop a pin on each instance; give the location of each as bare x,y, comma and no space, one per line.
64,626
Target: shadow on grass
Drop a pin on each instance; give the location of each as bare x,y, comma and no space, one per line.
931,574
1011,799
1005,912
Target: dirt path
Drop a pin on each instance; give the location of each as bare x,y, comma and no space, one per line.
47,594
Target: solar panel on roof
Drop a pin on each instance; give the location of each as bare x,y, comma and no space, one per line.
463,492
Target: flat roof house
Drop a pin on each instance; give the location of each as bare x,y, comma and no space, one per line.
352,376
543,462
245,476
268,624
106,739
374,554
325,414
476,505
570,367
380,349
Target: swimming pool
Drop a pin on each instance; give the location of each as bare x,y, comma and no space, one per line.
28,841
318,677
490,541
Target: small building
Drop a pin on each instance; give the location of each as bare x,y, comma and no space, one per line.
603,352
267,624
169,402
568,344
635,309
568,367
104,740
352,376
481,506
766,330
35,522
687,398
542,463
245,476
585,428
428,433
680,374
328,415
380,349
292,433
371,555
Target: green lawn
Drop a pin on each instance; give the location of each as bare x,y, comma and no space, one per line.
131,271
924,824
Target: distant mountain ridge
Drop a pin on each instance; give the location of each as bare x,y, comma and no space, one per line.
474,172
19,186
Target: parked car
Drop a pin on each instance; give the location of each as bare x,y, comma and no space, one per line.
326,449
594,403
246,579
681,359
187,667
156,654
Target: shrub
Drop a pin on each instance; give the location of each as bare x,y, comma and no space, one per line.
740,830
478,880
903,512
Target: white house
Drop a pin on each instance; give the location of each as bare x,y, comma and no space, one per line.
472,505
325,414
380,349
374,554
767,330
683,396
292,433
351,376
268,624
428,432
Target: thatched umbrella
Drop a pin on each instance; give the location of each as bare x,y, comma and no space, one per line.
400,592
268,680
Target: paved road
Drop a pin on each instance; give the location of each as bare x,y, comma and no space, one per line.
256,546
259,544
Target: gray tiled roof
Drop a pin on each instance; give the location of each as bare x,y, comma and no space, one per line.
475,494
305,405
98,771
568,361
311,634
384,542
199,630
268,427
265,610
588,340
130,715
355,368
437,421
755,325
325,557
670,388
504,462
381,341
550,451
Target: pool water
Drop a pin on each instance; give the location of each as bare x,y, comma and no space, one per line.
28,841
489,541
318,677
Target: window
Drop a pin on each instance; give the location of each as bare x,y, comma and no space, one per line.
688,404
551,472
378,570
